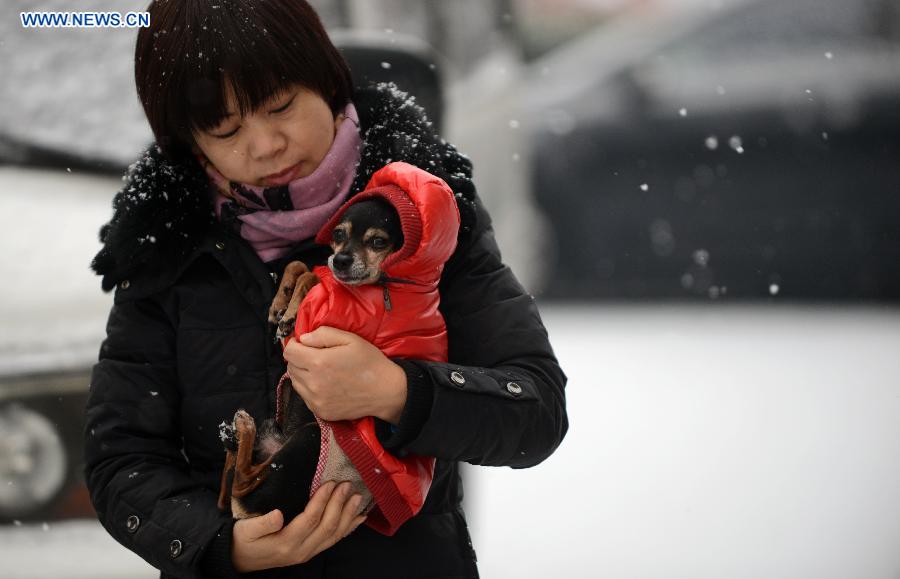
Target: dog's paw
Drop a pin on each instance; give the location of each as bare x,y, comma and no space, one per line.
276,313
285,328
286,290
228,436
275,319
245,426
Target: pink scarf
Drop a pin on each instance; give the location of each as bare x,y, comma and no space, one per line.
273,219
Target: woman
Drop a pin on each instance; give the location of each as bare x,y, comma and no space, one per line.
260,137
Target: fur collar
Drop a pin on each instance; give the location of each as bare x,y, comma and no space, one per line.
164,211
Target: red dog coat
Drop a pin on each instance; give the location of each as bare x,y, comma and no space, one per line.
400,316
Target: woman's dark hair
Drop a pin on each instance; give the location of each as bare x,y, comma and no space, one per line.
195,50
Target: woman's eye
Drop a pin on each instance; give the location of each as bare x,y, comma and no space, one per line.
283,108
228,134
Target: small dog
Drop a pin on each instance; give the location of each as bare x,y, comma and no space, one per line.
368,232
284,452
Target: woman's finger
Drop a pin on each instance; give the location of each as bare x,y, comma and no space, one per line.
331,518
306,522
298,383
350,517
255,528
348,514
331,530
298,354
318,537
296,372
326,337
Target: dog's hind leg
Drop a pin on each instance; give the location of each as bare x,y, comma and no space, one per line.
247,476
224,490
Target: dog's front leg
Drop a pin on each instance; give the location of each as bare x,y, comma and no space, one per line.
305,282
286,290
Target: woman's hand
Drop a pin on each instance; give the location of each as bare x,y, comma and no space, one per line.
341,376
264,542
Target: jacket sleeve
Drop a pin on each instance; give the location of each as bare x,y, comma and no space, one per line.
135,468
501,398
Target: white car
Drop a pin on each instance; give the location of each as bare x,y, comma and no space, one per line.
53,317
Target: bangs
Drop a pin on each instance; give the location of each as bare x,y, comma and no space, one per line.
204,49
234,51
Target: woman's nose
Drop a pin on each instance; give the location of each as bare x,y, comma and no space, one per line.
266,141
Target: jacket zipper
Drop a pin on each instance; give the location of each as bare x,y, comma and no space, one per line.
384,280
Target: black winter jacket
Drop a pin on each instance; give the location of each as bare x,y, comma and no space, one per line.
188,343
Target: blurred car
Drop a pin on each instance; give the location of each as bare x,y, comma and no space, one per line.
740,148
53,317
68,129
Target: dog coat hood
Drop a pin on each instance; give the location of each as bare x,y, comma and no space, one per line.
429,219
407,324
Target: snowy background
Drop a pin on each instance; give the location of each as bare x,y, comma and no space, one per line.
71,84
704,443
719,440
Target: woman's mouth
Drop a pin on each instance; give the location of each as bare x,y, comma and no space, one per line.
283,177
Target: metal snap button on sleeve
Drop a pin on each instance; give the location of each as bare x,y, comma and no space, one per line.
513,388
132,523
457,378
220,245
175,548
125,284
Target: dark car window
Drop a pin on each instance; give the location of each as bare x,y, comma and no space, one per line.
754,156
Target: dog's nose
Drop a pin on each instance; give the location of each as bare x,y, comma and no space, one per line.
343,261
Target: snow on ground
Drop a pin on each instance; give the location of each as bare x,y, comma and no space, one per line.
719,442
79,549
705,442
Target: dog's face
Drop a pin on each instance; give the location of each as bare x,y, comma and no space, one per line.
368,232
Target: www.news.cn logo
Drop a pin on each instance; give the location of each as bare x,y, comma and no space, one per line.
85,20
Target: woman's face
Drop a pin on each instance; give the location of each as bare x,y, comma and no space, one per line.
281,141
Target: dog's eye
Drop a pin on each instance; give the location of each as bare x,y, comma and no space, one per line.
339,236
378,242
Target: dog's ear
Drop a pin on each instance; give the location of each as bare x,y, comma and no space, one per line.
392,225
389,220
